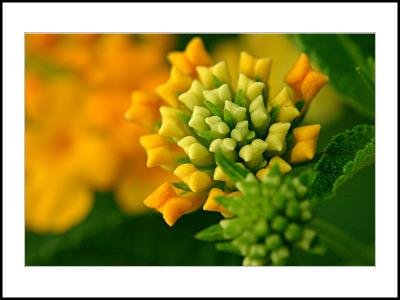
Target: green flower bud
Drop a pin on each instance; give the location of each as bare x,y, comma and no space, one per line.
299,187
287,192
273,241
197,121
307,239
272,181
293,232
280,256
261,228
306,210
257,251
279,201
279,223
249,236
292,209
252,262
232,227
269,211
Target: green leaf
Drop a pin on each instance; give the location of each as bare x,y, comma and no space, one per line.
182,186
184,118
228,119
183,160
217,83
236,205
346,154
240,99
212,233
235,172
207,135
213,109
340,56
274,114
227,247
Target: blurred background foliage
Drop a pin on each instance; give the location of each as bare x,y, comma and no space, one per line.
85,171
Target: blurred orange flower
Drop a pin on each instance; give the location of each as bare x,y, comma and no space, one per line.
78,87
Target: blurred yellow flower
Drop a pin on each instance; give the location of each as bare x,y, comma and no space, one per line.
78,87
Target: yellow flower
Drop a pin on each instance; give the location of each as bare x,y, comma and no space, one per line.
78,88
207,115
305,81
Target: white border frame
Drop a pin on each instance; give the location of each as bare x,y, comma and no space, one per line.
200,281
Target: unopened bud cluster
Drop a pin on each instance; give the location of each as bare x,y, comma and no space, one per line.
278,221
204,112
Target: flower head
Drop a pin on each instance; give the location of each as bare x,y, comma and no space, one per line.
206,113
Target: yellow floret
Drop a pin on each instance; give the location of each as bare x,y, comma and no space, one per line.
197,153
177,83
166,200
305,81
306,143
255,68
171,125
276,138
144,109
283,166
194,55
212,205
159,197
206,75
195,179
158,150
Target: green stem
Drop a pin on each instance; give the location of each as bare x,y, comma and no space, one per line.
343,244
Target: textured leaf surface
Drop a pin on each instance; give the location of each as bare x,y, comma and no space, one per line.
342,57
345,155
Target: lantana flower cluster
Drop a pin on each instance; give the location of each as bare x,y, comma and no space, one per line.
200,111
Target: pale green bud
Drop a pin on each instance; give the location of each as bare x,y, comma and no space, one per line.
227,147
217,126
241,131
276,138
251,88
197,121
218,96
252,154
194,96
238,112
198,154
